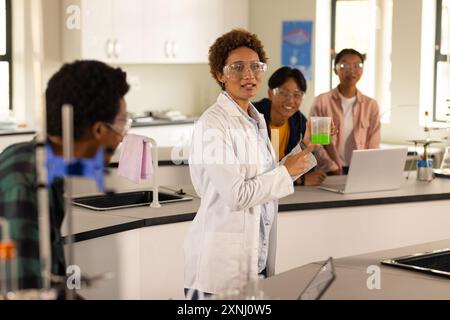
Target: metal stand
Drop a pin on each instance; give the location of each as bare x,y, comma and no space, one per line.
68,155
424,171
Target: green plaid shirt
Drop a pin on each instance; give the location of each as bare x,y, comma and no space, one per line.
18,204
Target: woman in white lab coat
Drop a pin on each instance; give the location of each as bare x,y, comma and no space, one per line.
234,171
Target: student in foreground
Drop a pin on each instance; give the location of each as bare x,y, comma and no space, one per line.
96,92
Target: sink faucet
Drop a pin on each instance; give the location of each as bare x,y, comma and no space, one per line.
154,152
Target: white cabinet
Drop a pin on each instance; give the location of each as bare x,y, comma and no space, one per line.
95,33
128,30
110,31
150,31
185,30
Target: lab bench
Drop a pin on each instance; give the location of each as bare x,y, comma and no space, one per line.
353,274
143,246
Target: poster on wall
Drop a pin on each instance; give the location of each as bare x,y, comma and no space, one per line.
296,46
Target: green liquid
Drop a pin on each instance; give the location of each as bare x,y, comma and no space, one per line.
321,138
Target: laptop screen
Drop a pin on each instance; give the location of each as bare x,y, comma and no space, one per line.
320,282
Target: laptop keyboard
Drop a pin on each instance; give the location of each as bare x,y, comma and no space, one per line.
337,186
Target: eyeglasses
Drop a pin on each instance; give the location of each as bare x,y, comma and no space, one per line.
237,69
123,129
347,66
286,94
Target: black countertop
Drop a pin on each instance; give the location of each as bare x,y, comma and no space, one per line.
92,224
16,132
156,122
161,122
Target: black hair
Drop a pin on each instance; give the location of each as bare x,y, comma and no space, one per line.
279,77
93,88
344,52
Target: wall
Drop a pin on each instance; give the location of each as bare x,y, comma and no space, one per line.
190,88
405,74
266,18
405,85
24,103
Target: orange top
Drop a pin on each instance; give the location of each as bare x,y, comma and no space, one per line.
7,250
279,138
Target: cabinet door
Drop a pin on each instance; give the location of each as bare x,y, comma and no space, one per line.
198,25
158,22
203,21
181,31
128,30
96,30
151,31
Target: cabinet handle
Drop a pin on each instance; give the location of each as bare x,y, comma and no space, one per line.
117,48
174,49
108,48
167,48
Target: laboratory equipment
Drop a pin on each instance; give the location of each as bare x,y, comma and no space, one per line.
425,162
321,130
8,261
444,169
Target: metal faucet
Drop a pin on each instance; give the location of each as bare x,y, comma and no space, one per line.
154,152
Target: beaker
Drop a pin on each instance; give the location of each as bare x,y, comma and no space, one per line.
425,170
321,130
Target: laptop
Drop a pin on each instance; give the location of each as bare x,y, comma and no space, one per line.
320,282
370,170
435,262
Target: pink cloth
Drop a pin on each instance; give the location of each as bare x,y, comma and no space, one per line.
366,126
135,162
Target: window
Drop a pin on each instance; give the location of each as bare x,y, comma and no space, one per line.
442,62
366,25
5,56
354,26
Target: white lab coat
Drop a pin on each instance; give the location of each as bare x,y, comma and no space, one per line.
223,238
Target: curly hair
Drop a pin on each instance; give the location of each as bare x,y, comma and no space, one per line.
93,88
221,48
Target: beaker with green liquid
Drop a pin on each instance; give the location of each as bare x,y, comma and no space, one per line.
321,130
